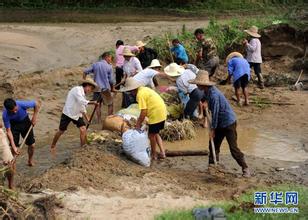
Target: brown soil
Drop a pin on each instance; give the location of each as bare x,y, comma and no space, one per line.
100,176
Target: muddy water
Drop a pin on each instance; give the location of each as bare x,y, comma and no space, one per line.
252,142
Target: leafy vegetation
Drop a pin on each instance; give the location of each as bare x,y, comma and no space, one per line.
227,37
184,4
242,208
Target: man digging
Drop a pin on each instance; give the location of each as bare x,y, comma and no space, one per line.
223,121
152,106
17,123
74,110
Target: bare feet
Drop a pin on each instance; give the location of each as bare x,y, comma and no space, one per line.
53,150
30,163
162,155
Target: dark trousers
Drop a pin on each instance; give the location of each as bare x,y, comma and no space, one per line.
128,99
119,75
231,135
194,98
257,69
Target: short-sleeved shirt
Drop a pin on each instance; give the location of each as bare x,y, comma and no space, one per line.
182,81
208,49
102,74
180,52
146,77
20,115
132,66
238,67
149,99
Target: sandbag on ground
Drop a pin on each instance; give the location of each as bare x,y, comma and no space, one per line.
137,147
5,149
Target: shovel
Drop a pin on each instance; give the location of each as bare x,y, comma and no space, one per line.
209,119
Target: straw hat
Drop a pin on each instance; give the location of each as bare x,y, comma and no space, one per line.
89,81
174,69
130,84
139,43
127,52
154,63
233,54
202,79
253,31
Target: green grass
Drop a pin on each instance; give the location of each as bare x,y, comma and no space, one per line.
243,207
227,36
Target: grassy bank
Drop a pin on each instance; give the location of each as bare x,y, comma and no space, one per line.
227,36
134,11
242,208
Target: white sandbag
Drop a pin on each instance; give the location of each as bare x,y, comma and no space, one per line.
5,149
137,147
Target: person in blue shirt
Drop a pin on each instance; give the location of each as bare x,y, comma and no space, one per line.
17,122
103,77
179,52
239,71
223,121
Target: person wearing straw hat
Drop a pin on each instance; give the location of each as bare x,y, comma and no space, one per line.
223,121
189,94
147,75
253,50
119,60
131,65
207,57
146,54
239,70
103,76
74,111
17,123
153,107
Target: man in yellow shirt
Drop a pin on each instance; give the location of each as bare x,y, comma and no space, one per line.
153,107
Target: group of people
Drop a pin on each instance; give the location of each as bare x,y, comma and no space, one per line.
135,77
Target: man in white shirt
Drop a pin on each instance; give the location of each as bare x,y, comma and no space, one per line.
75,109
146,76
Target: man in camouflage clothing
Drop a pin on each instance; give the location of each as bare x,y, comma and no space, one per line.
207,58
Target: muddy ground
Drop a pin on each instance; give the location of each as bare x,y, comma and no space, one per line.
98,181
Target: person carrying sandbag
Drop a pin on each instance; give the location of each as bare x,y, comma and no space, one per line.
153,107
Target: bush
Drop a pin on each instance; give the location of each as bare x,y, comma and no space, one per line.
227,37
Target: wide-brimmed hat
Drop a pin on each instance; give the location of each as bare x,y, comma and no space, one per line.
139,43
233,54
89,81
253,31
127,52
154,63
202,79
130,84
174,69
